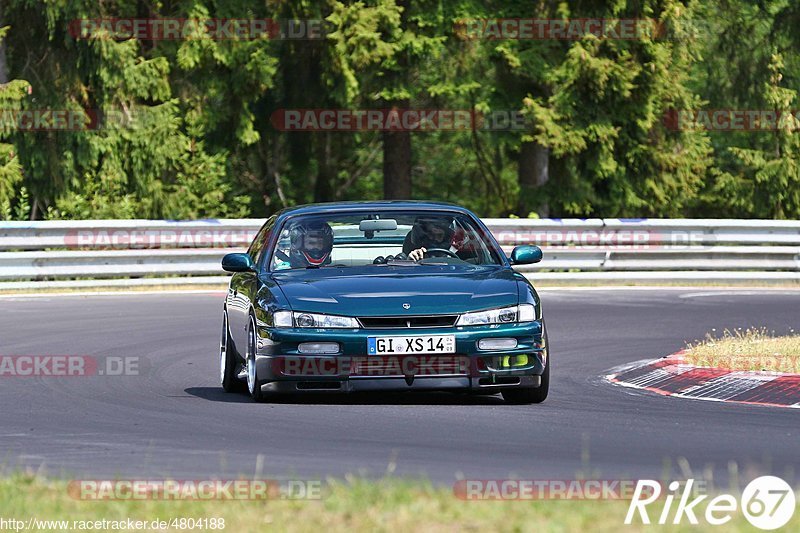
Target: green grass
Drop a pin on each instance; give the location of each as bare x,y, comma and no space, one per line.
749,349
354,505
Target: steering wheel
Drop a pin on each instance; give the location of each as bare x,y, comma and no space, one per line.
441,250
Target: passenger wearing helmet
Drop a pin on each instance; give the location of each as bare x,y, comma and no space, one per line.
311,244
428,233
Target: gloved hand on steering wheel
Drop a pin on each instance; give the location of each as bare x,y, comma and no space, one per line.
428,234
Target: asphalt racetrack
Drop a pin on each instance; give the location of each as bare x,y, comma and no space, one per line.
173,420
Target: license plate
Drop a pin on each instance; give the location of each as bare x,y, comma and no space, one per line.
411,345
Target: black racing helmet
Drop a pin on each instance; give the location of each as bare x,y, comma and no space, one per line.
432,232
312,240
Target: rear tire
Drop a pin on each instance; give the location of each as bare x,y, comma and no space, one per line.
228,360
253,383
530,395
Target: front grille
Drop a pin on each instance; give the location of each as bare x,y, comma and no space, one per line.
417,365
404,322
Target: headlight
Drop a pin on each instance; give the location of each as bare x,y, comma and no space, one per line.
287,319
502,315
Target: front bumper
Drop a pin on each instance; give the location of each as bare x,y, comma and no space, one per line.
281,368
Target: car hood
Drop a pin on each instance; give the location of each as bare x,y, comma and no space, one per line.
383,290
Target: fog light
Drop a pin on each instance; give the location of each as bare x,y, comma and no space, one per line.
513,361
318,347
497,344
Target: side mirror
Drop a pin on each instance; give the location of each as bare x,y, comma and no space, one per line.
238,263
525,255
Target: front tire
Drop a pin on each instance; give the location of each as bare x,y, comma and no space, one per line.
532,394
253,383
228,361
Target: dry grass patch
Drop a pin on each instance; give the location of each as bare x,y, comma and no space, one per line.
753,349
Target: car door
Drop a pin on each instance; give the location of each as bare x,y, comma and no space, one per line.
243,288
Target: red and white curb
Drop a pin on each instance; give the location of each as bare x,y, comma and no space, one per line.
672,376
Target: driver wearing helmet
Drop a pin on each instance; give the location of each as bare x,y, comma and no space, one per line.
311,244
428,233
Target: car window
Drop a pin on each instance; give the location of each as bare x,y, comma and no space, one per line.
259,244
359,239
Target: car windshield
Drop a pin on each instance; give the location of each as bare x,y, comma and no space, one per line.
358,239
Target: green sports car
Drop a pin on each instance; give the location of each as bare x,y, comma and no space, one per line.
382,296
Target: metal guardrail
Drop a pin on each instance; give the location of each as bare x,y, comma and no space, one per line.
142,252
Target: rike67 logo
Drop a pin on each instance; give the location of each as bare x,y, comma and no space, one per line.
768,502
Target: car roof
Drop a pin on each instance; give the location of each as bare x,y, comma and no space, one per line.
333,207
